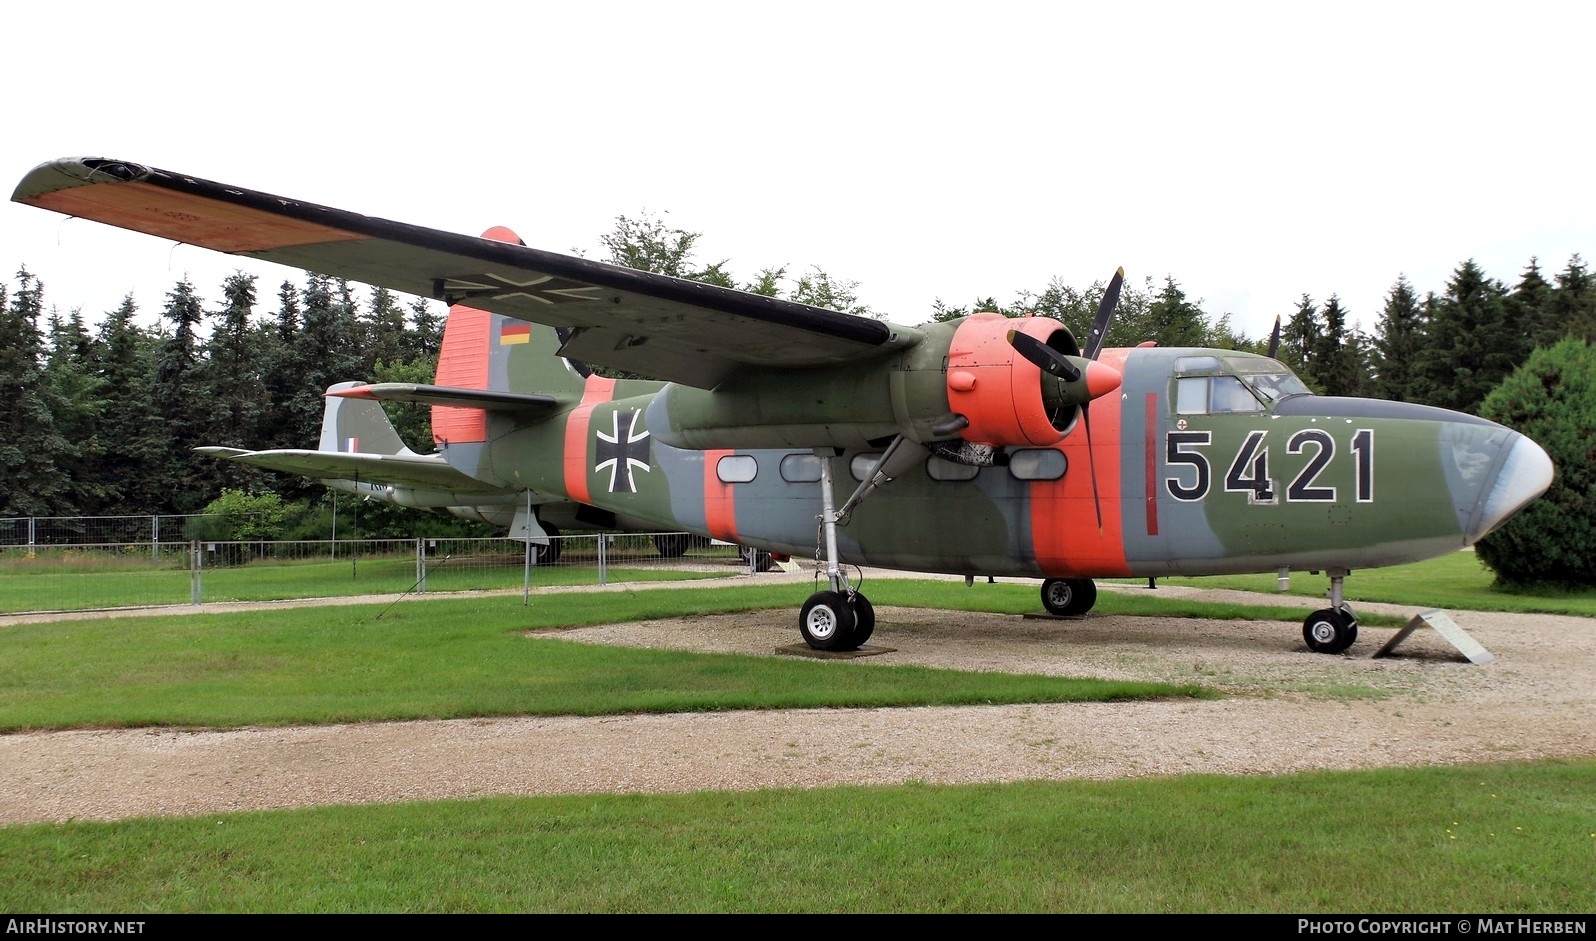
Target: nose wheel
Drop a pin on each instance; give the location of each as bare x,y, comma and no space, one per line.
1332,629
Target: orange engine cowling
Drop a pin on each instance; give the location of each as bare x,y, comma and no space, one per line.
999,391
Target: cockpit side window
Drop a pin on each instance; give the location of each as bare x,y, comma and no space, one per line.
1191,395
1214,395
1229,395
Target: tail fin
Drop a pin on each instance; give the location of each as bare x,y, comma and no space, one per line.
358,426
483,350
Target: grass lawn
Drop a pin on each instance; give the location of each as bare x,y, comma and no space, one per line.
1514,839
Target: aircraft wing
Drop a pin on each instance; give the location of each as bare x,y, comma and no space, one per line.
648,324
412,470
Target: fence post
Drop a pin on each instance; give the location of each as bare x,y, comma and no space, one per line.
31,535
421,566
155,540
603,561
196,576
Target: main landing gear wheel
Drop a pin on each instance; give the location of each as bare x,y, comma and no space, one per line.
1330,630
827,621
864,620
1069,596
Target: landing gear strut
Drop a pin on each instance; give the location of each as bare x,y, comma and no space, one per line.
1332,629
838,618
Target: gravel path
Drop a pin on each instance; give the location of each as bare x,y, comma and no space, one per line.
1288,710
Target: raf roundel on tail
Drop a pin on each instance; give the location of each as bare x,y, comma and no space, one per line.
982,446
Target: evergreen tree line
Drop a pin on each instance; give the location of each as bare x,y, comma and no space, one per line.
102,420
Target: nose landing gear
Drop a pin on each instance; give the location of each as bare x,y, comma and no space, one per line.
1332,629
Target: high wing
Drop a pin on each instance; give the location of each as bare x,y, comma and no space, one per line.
648,324
407,470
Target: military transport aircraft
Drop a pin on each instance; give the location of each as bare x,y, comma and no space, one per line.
982,446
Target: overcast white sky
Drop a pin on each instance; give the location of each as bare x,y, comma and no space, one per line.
1253,151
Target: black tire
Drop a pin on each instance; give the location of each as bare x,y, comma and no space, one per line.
763,561
549,554
827,621
671,545
1329,631
1068,597
864,620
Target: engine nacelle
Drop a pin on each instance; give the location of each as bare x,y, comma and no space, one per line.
1001,394
964,380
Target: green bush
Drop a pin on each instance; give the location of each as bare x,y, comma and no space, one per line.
1551,398
239,516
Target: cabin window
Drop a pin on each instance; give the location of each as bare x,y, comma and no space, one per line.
1038,464
736,469
800,468
938,468
860,466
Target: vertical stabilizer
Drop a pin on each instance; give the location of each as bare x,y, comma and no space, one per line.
483,350
357,426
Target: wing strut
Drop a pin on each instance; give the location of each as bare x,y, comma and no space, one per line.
901,455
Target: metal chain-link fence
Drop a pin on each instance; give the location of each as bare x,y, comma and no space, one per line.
84,575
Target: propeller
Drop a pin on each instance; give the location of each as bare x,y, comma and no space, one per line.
1100,380
1105,315
1044,357
1274,338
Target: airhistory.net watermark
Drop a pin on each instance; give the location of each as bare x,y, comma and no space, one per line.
71,926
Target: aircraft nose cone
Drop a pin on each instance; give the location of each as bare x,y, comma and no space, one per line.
1525,475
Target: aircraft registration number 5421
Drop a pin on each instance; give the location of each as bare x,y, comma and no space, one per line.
1249,469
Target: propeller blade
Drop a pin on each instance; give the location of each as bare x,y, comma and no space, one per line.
1274,338
1091,463
1044,357
1105,315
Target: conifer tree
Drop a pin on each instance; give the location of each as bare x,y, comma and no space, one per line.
1529,306
1398,341
1473,343
133,441
384,327
280,372
235,389
1573,303
1299,340
1335,355
186,480
29,441
425,334
73,390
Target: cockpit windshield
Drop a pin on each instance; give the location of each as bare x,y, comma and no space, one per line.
1210,384
1273,387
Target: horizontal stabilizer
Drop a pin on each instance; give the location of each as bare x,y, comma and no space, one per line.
411,470
520,402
